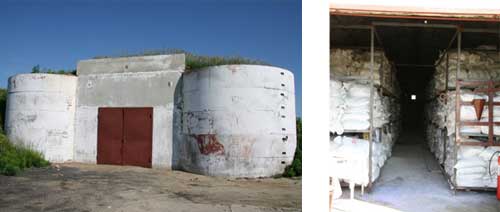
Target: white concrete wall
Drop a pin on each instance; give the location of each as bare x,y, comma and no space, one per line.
86,134
40,113
235,118
129,86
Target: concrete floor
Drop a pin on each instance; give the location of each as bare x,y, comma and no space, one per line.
412,181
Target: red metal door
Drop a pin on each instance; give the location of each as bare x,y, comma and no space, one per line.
109,136
125,136
137,136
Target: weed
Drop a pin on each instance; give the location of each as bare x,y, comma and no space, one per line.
295,169
36,69
195,62
13,159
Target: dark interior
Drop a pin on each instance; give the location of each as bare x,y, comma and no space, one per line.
413,51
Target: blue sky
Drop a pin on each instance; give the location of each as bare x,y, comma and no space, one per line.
56,34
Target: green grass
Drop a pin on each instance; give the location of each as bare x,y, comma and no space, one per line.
3,103
14,159
195,62
295,169
36,69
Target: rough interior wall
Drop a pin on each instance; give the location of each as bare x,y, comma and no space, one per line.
238,121
149,81
40,113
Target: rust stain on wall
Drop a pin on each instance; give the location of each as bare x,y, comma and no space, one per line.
209,145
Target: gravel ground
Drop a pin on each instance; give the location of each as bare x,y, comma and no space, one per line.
83,187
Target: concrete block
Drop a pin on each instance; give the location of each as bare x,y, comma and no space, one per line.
148,82
173,62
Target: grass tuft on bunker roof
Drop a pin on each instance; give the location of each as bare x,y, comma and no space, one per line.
38,70
193,61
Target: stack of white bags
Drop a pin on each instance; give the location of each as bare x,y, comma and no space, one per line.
345,62
474,168
443,115
350,107
472,162
350,112
351,159
471,166
474,65
467,112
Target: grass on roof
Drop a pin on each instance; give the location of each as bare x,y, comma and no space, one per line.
36,69
194,62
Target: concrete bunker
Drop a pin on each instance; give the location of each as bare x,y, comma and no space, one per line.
238,120
229,120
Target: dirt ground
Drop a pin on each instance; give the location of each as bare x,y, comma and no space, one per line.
83,187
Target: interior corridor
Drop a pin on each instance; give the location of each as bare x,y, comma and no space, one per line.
411,180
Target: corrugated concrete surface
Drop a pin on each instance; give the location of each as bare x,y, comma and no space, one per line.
40,113
238,121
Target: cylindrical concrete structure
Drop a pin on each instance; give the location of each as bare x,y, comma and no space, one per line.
238,121
40,114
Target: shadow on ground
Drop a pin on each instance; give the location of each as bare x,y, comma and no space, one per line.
82,187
